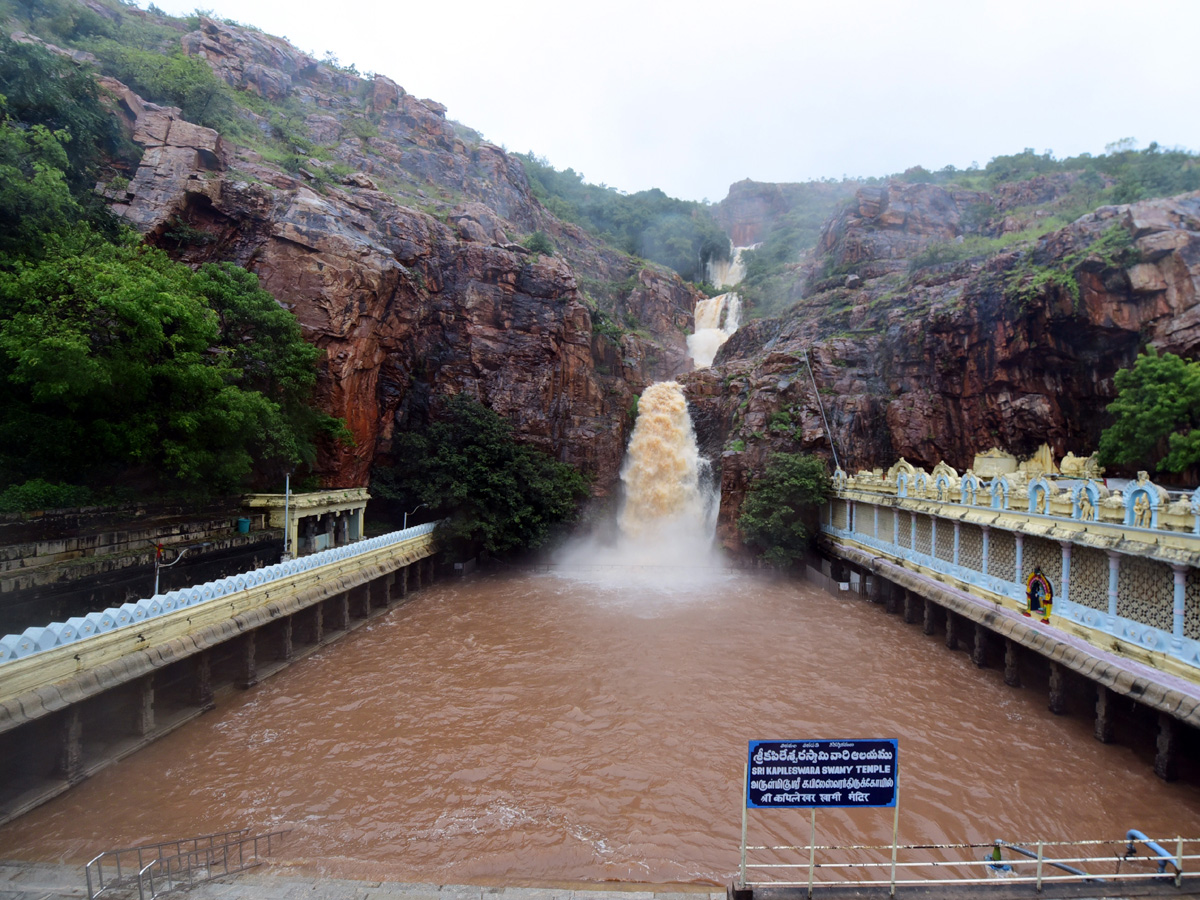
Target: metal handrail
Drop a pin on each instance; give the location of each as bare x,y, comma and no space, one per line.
1018,870
191,854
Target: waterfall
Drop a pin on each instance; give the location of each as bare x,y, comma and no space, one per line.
662,469
727,273
716,320
669,515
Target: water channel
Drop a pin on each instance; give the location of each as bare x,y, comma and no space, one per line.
534,728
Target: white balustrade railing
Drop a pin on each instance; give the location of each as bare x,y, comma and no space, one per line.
38,638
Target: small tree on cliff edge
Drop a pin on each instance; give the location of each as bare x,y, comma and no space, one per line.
781,505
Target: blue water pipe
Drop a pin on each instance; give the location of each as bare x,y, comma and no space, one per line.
1163,856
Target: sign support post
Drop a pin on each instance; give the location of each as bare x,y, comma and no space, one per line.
895,834
745,814
812,850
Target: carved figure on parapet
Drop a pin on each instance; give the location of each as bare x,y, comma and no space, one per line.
1087,468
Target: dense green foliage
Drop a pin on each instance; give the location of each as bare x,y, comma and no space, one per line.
1156,415
489,492
649,224
117,363
116,358
1122,174
781,505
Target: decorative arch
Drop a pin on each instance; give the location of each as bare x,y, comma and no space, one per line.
942,487
970,488
1141,503
901,484
839,479
920,483
1089,492
1039,495
1000,489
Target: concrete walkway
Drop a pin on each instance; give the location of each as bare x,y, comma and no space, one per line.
45,881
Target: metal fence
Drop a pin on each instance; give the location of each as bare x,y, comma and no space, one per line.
1036,863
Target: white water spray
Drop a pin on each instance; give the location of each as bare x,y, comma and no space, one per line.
667,523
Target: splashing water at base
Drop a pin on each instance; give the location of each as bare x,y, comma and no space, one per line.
669,516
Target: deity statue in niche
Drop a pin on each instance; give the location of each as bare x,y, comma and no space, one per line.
1039,596
1087,512
1141,512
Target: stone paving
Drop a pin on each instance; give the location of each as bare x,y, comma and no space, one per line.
46,881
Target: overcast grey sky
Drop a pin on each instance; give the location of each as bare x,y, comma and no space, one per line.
692,96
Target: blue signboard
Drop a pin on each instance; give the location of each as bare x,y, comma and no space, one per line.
815,774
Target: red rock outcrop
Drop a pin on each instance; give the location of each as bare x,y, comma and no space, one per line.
412,297
957,358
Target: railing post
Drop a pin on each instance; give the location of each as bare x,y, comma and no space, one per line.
1178,861
1039,867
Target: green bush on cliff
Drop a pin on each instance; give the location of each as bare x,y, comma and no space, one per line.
1156,416
781,505
490,492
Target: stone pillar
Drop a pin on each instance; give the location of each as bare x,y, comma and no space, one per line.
1019,576
933,536
318,623
912,531
1177,608
341,610
986,529
896,526
979,651
286,650
853,516
377,587
431,566
1058,690
202,686
875,524
416,567
1114,580
957,539
1166,759
892,597
910,607
360,601
403,573
930,614
389,588
247,663
951,630
1104,714
1065,594
143,710
358,523
1012,663
70,755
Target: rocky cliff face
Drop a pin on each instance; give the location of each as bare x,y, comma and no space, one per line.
1012,349
398,254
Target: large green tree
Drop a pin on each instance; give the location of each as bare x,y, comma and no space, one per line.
1156,416
781,505
115,358
489,491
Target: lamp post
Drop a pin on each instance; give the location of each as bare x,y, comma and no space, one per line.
407,514
159,549
287,495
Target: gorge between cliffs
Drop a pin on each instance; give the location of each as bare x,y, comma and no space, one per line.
403,244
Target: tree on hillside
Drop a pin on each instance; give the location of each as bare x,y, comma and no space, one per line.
1156,416
113,359
489,491
781,505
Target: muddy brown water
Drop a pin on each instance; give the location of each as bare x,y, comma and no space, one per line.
537,728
